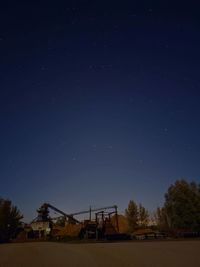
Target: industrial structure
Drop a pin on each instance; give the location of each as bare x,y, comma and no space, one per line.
102,223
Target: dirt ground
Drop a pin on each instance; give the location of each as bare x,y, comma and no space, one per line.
133,254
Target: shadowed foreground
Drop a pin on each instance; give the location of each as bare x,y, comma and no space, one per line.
133,254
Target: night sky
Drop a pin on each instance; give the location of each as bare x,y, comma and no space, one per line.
99,102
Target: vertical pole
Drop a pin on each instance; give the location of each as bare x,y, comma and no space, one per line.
102,216
117,223
90,213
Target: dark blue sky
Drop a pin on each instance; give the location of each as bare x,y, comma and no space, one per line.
99,102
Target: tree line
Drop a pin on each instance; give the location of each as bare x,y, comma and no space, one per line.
180,211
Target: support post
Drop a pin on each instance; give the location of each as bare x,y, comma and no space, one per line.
117,223
90,213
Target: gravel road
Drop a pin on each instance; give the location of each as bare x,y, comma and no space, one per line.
133,254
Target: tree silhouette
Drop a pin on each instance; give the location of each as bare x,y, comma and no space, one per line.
182,205
10,218
132,216
143,216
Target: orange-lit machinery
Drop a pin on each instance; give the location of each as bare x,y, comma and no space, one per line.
101,224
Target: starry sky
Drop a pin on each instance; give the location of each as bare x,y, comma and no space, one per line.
99,102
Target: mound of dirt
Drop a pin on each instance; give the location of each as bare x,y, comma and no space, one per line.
122,222
67,230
